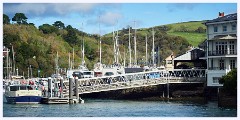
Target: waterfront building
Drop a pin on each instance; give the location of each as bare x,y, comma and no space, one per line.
220,47
190,59
169,62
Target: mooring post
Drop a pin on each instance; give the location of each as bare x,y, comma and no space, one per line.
49,87
56,89
168,85
61,87
76,88
70,90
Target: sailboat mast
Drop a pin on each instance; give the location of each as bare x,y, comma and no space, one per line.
146,51
69,61
73,59
135,45
57,64
13,61
129,47
7,64
114,46
117,48
100,42
124,58
83,52
153,47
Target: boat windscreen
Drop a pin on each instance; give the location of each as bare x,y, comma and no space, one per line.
14,88
21,87
87,73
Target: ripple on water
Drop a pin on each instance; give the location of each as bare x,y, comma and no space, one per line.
119,108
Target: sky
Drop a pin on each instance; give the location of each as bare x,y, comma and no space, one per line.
102,18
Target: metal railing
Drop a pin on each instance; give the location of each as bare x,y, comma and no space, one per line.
132,80
222,52
217,68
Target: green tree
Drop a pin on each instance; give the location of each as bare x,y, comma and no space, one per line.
71,36
6,19
47,29
229,82
9,38
31,24
59,25
20,18
200,30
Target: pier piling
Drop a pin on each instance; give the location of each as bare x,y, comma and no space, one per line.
61,87
70,90
76,88
49,87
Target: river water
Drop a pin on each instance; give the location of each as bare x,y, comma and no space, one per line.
119,108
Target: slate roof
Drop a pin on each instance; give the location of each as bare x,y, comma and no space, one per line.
228,17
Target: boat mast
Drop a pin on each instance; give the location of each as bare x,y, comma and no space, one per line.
117,48
146,51
100,41
135,45
129,47
124,58
73,59
83,55
114,46
13,61
7,64
69,61
153,47
57,64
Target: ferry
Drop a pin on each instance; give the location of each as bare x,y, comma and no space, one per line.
21,91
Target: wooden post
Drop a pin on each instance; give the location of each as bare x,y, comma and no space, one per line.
70,90
61,87
168,85
76,88
49,87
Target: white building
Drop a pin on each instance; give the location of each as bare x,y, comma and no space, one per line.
221,50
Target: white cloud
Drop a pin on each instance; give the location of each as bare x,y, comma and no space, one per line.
49,9
110,18
181,6
64,9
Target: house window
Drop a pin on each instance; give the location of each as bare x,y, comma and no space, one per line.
234,27
231,47
221,64
216,80
221,48
232,64
224,28
215,29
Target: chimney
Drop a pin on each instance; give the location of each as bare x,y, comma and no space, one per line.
221,14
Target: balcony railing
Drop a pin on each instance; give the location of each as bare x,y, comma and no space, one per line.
216,68
222,52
